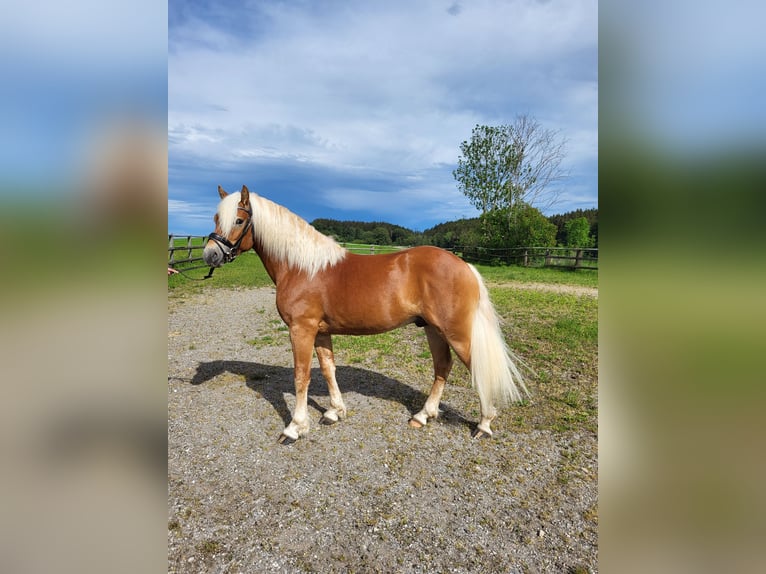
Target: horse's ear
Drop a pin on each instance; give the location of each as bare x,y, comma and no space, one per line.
244,196
221,192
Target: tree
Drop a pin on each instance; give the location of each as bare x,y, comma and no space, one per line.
530,228
560,221
502,167
578,233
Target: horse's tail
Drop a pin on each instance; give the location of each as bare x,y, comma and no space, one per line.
494,373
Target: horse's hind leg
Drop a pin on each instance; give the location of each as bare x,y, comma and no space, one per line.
337,410
442,365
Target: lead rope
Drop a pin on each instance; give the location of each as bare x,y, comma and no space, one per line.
208,276
219,240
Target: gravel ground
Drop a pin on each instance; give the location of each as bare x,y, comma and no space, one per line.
369,494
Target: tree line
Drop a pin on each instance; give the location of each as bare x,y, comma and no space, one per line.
577,228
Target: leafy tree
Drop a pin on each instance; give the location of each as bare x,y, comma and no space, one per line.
502,167
578,233
381,235
454,233
560,221
530,229
367,232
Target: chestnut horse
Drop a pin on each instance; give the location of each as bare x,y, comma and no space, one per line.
323,290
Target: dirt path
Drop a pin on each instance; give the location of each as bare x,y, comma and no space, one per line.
552,288
368,494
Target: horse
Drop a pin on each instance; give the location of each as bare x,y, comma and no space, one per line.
323,289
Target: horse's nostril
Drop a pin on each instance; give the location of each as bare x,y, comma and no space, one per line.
211,257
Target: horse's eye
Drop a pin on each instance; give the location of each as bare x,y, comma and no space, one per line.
239,222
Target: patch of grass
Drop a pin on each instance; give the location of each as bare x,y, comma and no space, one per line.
366,248
209,546
509,273
572,399
557,336
356,349
591,514
262,341
245,271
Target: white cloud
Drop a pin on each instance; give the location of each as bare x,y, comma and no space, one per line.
388,87
362,80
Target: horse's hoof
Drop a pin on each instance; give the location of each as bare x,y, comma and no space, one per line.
285,440
478,433
416,424
326,421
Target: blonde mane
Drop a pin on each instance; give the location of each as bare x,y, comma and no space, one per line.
283,235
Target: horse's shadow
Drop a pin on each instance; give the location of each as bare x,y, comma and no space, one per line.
272,383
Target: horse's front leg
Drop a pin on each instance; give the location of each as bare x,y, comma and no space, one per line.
302,339
337,410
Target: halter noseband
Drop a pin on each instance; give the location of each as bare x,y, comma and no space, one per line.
228,249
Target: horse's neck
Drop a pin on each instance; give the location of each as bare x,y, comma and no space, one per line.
275,269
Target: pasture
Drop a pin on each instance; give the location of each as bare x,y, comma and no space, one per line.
371,493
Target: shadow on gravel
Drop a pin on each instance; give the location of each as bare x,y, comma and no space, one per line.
273,382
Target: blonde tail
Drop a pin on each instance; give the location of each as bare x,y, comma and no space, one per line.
494,374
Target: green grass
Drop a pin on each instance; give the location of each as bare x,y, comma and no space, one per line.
557,336
506,273
245,271
380,349
365,248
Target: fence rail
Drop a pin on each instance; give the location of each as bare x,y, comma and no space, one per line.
566,257
189,247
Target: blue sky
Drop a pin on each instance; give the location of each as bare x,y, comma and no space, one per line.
356,110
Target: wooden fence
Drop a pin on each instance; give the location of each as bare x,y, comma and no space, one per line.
189,248
186,250
565,257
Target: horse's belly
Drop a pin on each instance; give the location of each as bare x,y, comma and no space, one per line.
369,320
362,327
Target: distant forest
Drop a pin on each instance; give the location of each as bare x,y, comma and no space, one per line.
452,234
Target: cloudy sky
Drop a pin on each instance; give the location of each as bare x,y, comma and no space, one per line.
356,110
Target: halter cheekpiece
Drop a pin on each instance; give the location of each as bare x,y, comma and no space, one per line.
228,249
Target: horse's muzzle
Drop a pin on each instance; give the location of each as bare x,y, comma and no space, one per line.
216,253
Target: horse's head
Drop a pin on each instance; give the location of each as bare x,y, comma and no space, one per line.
233,228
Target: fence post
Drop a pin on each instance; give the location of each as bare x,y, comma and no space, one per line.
578,258
526,258
547,258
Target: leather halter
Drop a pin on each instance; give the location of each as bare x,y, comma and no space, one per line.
228,249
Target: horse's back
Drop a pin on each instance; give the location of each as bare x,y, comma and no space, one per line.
410,268
375,293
